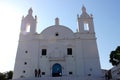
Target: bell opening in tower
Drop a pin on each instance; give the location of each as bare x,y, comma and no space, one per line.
28,28
86,27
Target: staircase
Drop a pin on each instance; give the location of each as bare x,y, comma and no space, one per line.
60,78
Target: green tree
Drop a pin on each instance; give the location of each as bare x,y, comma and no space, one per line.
6,75
115,56
9,75
2,76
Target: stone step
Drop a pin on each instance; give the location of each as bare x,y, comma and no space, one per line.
59,78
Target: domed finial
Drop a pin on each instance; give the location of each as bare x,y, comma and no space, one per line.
22,17
91,15
30,11
77,15
35,17
57,21
83,9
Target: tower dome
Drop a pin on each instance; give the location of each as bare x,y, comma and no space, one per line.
30,11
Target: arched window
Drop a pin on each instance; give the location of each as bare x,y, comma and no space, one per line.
86,26
28,28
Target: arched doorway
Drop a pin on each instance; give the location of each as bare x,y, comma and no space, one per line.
56,70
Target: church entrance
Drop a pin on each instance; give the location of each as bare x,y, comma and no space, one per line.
56,70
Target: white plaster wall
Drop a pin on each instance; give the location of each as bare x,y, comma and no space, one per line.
84,61
91,58
49,33
57,49
31,46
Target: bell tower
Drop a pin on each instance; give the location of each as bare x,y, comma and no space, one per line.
85,22
28,23
89,51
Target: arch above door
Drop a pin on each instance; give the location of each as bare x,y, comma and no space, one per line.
56,70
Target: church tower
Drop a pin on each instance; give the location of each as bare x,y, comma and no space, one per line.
87,46
57,53
85,22
29,23
26,61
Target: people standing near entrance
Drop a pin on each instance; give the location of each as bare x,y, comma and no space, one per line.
36,72
39,73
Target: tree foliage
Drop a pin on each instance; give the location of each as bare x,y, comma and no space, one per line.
115,56
2,76
6,75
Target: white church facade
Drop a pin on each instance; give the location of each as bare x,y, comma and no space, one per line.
57,53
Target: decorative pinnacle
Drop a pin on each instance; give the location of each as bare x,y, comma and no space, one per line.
30,11
83,9
77,15
57,21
